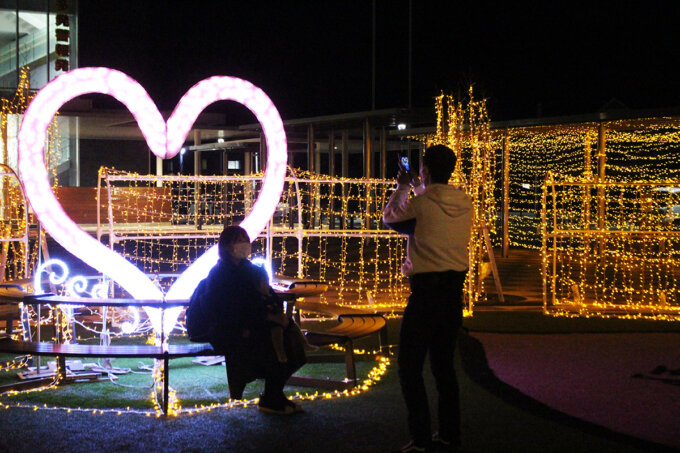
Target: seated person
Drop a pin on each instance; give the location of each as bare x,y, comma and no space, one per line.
241,323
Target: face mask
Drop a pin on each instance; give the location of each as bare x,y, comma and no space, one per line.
241,250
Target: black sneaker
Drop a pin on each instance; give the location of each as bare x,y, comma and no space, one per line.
278,409
411,447
443,444
286,407
296,407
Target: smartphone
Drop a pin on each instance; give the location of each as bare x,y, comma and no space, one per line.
404,163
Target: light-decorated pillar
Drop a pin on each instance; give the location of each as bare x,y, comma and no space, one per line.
383,154
506,193
345,174
368,156
601,192
331,154
263,153
197,187
197,154
345,154
311,158
368,168
331,173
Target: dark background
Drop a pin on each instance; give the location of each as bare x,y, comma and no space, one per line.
314,58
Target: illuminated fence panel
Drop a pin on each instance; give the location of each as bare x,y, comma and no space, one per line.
643,150
362,270
611,249
323,228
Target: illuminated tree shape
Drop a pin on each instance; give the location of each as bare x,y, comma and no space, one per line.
465,128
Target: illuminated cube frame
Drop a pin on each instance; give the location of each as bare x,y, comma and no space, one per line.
610,249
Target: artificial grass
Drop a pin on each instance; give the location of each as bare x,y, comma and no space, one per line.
196,385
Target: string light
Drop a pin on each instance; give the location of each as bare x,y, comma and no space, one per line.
20,254
635,150
465,128
611,249
324,228
14,364
373,376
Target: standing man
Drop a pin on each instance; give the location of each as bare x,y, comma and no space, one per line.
438,221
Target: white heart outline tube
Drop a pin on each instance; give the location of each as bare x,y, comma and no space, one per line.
165,141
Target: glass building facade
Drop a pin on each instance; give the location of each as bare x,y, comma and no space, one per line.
42,36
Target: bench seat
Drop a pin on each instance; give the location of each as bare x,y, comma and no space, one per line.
350,327
117,351
61,351
353,324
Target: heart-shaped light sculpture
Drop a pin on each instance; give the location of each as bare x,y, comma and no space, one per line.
165,140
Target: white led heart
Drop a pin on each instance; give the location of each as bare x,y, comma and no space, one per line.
164,140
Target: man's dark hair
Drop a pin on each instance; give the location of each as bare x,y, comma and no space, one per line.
441,161
230,234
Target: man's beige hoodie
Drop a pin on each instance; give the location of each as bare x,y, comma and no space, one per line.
438,222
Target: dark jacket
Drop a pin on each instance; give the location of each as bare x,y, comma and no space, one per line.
234,305
239,328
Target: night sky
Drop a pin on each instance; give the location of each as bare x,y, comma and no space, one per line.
315,58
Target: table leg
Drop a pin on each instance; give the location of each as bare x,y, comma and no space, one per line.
166,385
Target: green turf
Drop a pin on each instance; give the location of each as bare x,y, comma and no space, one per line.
195,385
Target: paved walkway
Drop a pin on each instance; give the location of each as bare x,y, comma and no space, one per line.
625,382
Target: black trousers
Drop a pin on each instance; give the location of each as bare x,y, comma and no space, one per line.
431,322
258,360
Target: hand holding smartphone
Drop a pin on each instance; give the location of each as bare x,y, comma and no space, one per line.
404,176
404,163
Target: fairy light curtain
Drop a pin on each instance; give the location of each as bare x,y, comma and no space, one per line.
14,253
324,228
611,231
635,150
612,248
464,126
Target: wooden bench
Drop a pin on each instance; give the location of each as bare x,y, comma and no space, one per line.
352,325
